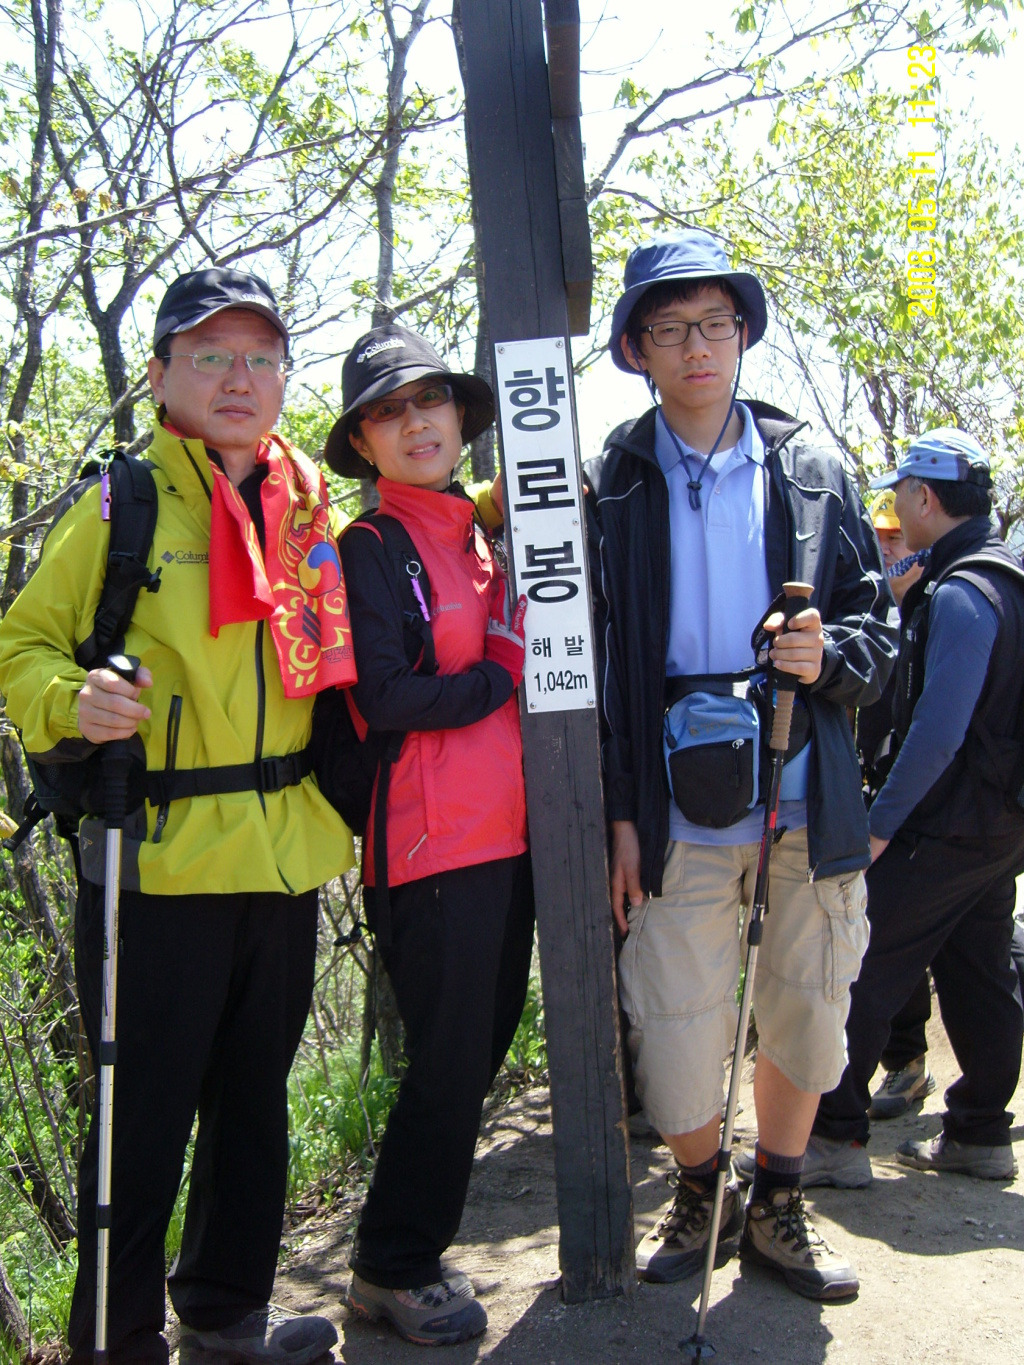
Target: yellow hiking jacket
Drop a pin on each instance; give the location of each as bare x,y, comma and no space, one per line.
213,701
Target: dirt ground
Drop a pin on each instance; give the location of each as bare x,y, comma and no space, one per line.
940,1260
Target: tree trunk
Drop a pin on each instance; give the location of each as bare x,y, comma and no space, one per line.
381,1018
481,451
40,919
12,1319
384,189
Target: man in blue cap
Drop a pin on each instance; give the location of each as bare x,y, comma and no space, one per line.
947,826
705,506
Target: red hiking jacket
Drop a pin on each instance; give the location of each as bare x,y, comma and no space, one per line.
457,794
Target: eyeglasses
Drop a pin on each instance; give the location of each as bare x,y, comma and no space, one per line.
387,409
718,327
262,364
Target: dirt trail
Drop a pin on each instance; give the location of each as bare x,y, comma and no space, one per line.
940,1259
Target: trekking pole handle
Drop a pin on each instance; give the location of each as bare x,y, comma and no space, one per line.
115,753
797,597
124,665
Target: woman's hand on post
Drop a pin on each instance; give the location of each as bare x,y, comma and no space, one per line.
498,495
505,640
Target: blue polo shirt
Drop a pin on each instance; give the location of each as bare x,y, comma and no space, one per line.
720,590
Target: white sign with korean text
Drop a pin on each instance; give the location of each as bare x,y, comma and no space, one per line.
545,516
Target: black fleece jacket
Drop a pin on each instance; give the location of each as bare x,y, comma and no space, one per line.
816,531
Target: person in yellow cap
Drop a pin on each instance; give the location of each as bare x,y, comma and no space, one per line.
894,547
907,1077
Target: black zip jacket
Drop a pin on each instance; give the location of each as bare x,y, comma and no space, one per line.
816,531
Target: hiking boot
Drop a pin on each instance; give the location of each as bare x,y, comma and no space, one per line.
268,1334
677,1246
743,1166
437,1315
944,1154
900,1089
837,1162
827,1161
779,1234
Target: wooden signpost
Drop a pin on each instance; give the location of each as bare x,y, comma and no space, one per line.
526,171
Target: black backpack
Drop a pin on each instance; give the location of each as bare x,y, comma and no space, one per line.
1012,781
346,766
72,787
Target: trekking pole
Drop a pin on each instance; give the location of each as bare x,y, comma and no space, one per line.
698,1347
115,794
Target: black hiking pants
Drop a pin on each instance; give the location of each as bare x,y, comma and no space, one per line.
948,903
907,1038
459,963
212,997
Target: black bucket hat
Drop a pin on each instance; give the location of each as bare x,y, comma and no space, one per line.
381,361
194,297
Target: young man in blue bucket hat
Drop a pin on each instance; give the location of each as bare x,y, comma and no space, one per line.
706,505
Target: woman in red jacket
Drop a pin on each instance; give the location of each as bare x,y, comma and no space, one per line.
459,894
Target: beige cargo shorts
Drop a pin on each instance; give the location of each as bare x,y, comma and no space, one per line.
680,964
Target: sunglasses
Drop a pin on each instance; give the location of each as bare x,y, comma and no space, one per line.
387,409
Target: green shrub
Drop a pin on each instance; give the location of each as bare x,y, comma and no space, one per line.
43,1280
334,1125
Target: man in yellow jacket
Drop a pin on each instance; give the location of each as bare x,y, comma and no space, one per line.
222,862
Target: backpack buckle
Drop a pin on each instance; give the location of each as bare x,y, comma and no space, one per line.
272,774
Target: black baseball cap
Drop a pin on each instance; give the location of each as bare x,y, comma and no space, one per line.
381,361
194,297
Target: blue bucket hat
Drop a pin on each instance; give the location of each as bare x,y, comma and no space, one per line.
690,254
943,454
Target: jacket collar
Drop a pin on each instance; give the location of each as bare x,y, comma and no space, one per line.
185,462
963,539
636,436
187,466
446,515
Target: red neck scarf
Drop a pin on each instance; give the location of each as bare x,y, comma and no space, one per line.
296,583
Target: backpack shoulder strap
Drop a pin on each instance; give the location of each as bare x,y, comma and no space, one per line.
962,568
132,502
413,587
414,590
968,568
